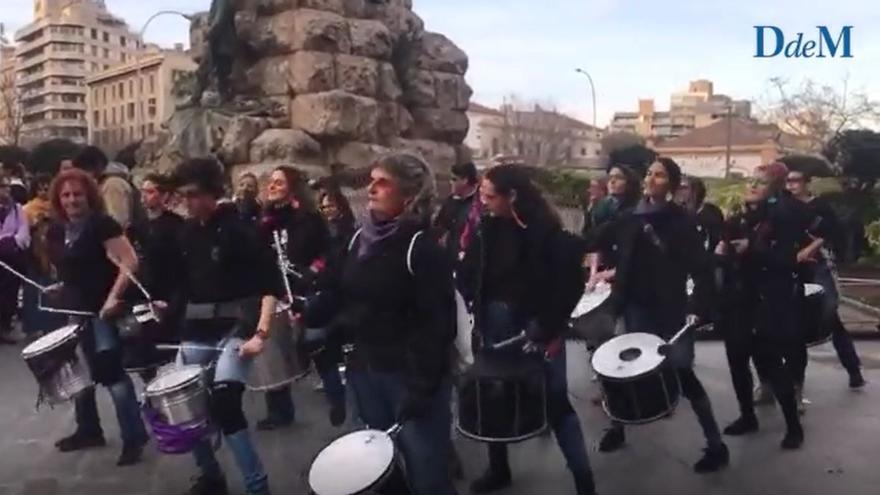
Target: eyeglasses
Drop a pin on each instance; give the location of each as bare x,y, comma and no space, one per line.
758,182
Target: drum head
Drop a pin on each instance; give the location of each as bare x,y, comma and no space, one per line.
813,289
352,463
592,300
174,378
628,356
50,341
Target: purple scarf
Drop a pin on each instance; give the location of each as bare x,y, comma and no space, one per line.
373,231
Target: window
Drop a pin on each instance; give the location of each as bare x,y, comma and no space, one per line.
114,115
583,152
152,84
113,88
151,107
131,110
122,56
122,40
130,87
94,67
150,128
94,51
106,37
106,66
105,97
121,91
106,53
94,34
122,115
96,118
105,117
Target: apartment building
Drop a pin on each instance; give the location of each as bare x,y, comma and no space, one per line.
9,107
130,101
67,41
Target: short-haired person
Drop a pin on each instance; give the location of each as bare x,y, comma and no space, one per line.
453,214
114,182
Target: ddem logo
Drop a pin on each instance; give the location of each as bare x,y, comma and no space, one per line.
771,42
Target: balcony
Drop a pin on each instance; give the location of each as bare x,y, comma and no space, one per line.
51,105
53,89
48,38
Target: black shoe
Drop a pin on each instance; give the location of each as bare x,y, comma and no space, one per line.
794,438
337,415
80,441
491,481
612,440
742,426
856,380
131,454
208,485
272,423
714,458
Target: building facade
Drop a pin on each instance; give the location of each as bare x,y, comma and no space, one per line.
697,107
130,101
10,111
535,136
67,41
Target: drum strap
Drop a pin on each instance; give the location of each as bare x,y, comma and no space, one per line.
409,251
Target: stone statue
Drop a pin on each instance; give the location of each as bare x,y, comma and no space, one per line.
220,51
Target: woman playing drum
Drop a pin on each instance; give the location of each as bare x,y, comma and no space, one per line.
659,247
394,298
81,246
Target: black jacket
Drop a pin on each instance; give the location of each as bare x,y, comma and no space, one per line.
547,273
451,219
656,254
399,321
304,238
710,224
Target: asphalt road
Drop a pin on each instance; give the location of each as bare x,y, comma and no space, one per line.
840,454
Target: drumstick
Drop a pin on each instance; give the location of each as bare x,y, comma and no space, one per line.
680,334
194,347
509,342
41,288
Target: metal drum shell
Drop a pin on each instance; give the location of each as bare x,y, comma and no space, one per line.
183,404
815,330
280,363
70,379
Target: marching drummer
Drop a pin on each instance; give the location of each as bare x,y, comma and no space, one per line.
82,243
522,272
764,242
226,271
659,247
394,297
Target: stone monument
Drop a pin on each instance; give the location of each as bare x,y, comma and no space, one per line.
325,84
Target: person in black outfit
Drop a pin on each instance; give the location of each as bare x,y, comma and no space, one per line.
596,192
658,248
759,254
710,220
453,214
340,220
85,246
229,277
157,242
522,272
393,297
624,191
246,198
817,261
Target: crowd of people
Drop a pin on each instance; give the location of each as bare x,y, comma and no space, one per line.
386,286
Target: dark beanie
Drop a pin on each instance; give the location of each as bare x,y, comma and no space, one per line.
672,170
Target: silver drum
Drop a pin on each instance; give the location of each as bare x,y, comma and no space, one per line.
280,363
59,365
179,395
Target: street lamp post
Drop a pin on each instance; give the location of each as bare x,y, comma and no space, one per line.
139,85
592,91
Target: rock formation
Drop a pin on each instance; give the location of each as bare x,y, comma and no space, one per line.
328,83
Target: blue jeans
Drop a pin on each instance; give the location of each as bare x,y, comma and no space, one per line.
229,367
424,442
842,340
128,414
499,323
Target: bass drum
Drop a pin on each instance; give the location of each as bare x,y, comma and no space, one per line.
816,331
591,321
363,462
281,361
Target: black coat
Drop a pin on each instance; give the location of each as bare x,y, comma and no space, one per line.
655,256
451,219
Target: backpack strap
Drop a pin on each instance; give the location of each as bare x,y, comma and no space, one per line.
409,252
354,239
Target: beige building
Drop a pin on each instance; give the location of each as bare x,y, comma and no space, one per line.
697,107
130,101
10,113
536,137
67,41
703,152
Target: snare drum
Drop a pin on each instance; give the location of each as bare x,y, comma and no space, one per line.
591,321
637,383
363,462
58,364
815,328
179,395
503,399
281,361
138,331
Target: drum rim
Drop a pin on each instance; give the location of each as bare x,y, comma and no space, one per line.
180,386
605,291
478,438
29,351
658,417
663,362
388,470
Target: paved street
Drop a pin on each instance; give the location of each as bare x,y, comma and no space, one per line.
840,455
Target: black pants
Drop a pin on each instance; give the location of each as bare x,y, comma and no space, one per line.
9,286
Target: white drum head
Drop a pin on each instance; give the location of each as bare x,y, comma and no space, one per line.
628,356
352,463
174,378
591,300
50,341
812,289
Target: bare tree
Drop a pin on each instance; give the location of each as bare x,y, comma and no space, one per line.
816,113
535,132
10,109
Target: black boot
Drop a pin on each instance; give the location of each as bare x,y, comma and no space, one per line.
208,485
794,438
613,439
497,477
584,484
714,458
131,453
856,380
80,441
743,425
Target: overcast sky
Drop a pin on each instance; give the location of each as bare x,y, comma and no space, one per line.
633,49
